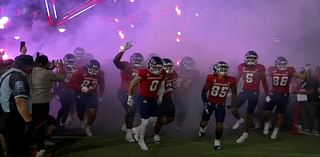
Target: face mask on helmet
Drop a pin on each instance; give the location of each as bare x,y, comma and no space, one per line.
221,68
155,69
251,61
281,63
93,67
167,65
136,60
155,65
69,60
187,63
251,58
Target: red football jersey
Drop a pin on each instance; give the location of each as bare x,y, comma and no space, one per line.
187,78
252,76
170,81
81,78
150,83
127,75
219,87
281,79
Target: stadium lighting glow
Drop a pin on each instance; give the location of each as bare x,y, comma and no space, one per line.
5,19
178,39
197,14
178,10
5,57
61,30
116,20
121,47
17,37
132,25
121,34
178,33
132,1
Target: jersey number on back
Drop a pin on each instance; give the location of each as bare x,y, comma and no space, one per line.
89,84
280,81
219,91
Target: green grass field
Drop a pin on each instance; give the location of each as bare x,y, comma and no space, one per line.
255,146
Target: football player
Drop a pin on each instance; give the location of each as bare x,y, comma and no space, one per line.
151,80
214,94
166,110
65,93
85,81
251,74
80,55
128,71
188,80
281,75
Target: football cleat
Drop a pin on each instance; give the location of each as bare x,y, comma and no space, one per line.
88,131
143,145
41,153
129,137
266,128
156,139
242,138
217,144
237,124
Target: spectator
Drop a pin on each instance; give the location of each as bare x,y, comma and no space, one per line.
42,81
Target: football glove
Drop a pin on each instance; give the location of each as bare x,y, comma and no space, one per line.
130,101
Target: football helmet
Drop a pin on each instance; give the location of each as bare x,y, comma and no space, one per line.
167,65
281,63
251,58
221,68
93,67
155,65
136,59
69,59
79,53
187,63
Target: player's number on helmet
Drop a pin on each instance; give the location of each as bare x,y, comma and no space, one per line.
89,84
279,81
219,91
249,77
154,85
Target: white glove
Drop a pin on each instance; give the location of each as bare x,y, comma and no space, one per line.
130,101
84,89
268,99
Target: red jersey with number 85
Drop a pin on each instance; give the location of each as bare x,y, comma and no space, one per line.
219,87
150,83
281,79
81,78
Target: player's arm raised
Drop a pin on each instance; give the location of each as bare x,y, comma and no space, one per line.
117,59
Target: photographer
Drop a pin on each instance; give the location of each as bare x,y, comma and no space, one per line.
42,80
